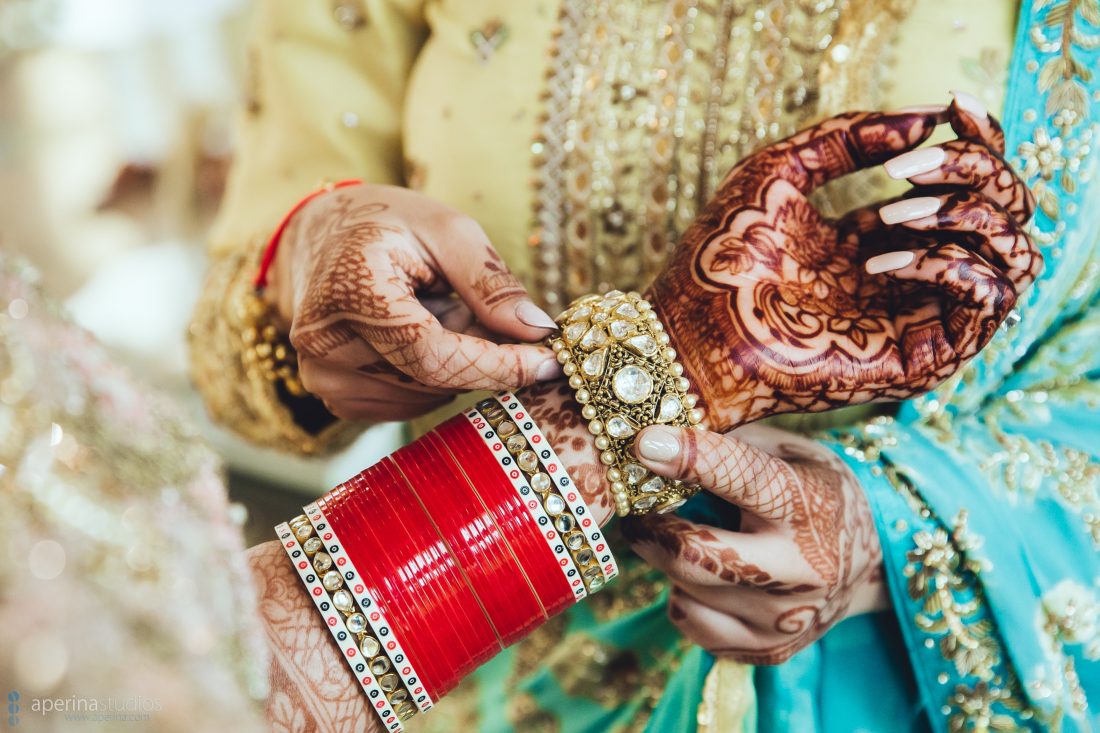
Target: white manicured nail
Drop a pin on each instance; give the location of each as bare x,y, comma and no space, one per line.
887,262
532,315
659,443
548,370
969,103
915,162
909,209
923,109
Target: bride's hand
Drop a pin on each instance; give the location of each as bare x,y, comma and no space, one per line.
395,302
774,308
805,555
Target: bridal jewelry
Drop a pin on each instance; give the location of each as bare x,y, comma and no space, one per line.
616,354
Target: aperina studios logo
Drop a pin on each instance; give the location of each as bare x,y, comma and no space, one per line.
13,708
77,709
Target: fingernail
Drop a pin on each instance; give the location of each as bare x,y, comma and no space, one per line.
887,262
923,109
909,209
532,315
915,162
548,370
659,443
969,103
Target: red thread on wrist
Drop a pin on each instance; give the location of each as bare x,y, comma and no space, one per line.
260,281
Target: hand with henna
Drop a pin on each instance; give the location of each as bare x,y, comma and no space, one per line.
395,302
806,553
774,308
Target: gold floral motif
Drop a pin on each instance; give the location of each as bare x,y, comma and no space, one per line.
488,38
945,580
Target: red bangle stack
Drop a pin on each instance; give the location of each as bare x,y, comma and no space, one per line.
437,557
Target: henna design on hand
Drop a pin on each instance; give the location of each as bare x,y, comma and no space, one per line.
312,689
496,283
806,549
771,309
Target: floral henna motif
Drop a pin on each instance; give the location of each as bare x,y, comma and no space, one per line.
311,687
496,283
769,303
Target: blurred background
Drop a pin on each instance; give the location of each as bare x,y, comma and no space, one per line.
116,133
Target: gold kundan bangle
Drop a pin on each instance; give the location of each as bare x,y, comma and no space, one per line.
616,354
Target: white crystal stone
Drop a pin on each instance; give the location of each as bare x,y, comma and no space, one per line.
653,486
617,427
645,503
621,329
565,523
322,561
342,600
506,429
380,665
516,443
574,540
671,407
626,310
540,482
370,646
585,556
635,472
581,314
312,545
593,365
632,384
555,505
672,507
332,580
595,338
528,461
303,532
643,345
357,623
574,331
595,584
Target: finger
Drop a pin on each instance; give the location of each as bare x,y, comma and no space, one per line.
370,381
845,144
382,410
398,326
709,627
472,266
1000,238
975,166
732,470
699,554
978,299
970,119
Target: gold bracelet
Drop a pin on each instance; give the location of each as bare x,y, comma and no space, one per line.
616,354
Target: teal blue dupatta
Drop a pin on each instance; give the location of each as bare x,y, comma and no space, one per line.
987,493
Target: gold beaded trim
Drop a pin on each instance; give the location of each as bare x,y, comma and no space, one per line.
581,539
375,658
266,349
616,354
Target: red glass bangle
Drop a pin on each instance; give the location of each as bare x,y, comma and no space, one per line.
474,642
508,589
508,505
260,281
